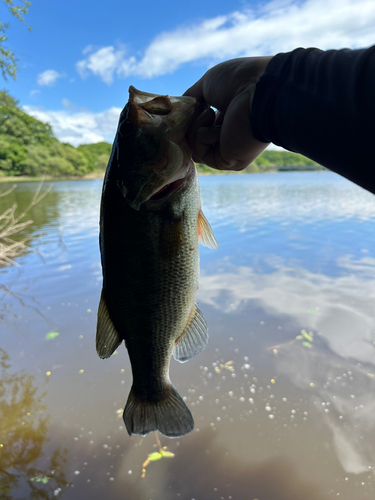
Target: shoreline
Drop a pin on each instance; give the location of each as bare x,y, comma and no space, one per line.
100,175
48,178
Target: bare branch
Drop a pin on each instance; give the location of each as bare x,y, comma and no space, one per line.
11,225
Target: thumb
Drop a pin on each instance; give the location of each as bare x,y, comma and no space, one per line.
195,90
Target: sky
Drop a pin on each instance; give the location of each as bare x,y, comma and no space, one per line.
77,63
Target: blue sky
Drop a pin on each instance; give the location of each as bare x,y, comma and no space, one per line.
77,63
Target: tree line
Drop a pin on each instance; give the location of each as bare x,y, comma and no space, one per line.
271,161
28,147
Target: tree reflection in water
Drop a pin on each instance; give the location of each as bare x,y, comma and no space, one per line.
23,432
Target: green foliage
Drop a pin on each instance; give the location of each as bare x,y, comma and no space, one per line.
97,154
8,61
28,147
156,455
253,168
270,158
43,480
52,335
270,161
307,338
16,124
203,169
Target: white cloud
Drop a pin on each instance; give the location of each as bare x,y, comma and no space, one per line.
68,105
77,126
81,127
276,27
34,92
49,77
101,63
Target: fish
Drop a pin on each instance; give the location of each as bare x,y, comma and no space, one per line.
151,222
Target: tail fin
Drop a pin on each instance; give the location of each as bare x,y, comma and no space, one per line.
170,416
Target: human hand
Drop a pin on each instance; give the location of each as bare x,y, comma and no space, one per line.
224,140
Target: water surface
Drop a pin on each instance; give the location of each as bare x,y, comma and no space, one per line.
279,414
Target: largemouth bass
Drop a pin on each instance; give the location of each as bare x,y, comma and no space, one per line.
150,224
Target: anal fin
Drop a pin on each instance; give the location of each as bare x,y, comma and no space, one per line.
107,338
194,338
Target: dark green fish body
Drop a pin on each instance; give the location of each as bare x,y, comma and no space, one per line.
151,221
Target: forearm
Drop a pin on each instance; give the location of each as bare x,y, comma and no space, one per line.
322,105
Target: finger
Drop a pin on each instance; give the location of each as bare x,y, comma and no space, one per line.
205,138
235,141
205,119
219,117
236,147
195,90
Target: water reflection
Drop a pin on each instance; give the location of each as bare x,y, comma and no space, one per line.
340,309
24,470
248,199
16,300
336,370
24,211
343,392
207,470
296,253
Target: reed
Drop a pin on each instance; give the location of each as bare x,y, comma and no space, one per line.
12,224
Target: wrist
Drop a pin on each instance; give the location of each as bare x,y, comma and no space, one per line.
261,65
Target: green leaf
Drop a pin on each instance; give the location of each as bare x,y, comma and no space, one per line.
155,456
307,336
307,344
167,453
52,335
311,311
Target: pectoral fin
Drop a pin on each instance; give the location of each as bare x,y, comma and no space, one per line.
107,338
205,233
194,339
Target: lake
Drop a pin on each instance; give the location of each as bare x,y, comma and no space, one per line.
283,395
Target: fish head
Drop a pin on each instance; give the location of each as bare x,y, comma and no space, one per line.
153,156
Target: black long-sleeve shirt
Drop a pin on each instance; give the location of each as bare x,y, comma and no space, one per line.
322,105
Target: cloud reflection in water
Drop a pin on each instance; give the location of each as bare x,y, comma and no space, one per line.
341,363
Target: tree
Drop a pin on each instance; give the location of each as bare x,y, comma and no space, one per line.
8,61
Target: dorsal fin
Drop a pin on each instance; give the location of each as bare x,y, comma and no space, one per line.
194,338
205,233
107,338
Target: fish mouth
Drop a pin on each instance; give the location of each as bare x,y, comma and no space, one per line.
168,189
160,196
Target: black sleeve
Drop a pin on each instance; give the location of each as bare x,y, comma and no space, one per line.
322,105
